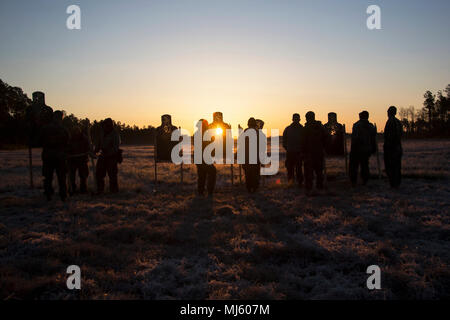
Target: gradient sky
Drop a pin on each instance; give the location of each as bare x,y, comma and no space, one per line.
135,60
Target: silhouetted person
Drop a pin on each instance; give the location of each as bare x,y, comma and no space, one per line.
78,152
313,146
292,138
108,144
393,148
206,173
335,131
263,148
259,124
164,145
251,170
362,147
54,138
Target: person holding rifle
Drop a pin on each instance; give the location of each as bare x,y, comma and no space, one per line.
313,146
393,148
77,158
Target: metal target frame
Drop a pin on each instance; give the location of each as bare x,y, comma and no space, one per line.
345,155
155,161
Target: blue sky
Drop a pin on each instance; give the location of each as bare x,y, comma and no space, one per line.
135,60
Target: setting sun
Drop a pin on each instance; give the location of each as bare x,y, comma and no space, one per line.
219,131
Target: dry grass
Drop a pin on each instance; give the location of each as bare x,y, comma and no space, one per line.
163,242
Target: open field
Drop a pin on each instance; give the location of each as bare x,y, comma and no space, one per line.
163,242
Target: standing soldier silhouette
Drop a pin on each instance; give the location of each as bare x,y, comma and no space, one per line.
259,124
77,159
313,146
362,147
110,156
292,139
393,148
251,170
206,173
54,138
335,131
263,148
37,115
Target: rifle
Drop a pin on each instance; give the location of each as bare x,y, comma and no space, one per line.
325,178
345,151
30,166
155,157
240,166
231,172
240,174
92,156
181,166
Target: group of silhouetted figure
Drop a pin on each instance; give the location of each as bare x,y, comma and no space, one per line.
68,152
306,147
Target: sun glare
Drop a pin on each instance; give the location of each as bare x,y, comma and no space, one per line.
219,131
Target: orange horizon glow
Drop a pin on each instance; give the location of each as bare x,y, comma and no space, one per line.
187,114
135,61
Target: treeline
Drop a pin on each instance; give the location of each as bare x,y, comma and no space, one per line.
14,129
13,105
136,135
128,134
431,121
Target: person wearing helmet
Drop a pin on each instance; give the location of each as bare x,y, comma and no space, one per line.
54,140
313,147
206,173
251,170
393,148
292,137
108,160
362,147
77,156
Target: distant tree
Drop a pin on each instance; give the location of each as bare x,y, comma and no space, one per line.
428,105
442,106
440,123
403,115
13,104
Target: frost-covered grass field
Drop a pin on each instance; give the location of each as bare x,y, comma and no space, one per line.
164,242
